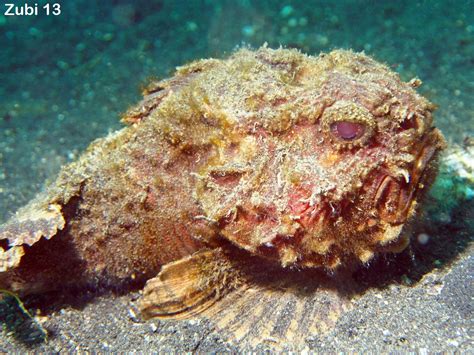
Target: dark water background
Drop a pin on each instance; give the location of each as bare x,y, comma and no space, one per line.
65,79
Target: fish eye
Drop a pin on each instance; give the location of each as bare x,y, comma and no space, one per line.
347,130
348,124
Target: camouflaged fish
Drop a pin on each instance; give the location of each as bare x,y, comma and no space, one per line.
252,173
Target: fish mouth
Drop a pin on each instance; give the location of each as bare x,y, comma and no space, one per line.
395,196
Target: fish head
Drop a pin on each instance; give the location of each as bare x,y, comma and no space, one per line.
323,163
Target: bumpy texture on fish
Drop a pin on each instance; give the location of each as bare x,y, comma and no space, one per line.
307,161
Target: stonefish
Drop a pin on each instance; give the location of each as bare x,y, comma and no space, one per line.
230,172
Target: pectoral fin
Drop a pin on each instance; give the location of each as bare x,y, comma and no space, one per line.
263,303
188,286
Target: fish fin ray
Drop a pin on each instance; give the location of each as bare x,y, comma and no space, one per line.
188,286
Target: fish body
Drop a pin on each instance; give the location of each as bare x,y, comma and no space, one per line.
268,157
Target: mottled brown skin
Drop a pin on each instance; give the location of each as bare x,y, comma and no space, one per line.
312,162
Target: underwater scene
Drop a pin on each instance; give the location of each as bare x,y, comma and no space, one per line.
227,176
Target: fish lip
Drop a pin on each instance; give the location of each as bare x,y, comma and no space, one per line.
400,194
